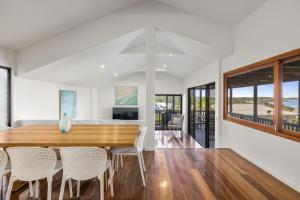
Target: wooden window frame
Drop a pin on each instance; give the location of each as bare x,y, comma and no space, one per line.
277,62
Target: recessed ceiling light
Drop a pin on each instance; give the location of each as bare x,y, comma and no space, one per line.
102,66
170,55
165,66
115,74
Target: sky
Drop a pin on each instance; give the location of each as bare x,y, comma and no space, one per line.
290,89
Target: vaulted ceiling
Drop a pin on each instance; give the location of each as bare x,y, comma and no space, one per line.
226,12
101,64
26,22
67,41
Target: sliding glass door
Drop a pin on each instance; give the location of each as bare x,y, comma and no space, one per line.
201,115
165,106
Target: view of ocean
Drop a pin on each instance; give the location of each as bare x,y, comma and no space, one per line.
291,103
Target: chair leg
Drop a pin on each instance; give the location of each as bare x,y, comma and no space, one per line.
118,158
70,188
101,188
121,158
49,191
141,168
78,188
9,188
37,187
143,162
30,189
1,180
62,188
113,161
111,181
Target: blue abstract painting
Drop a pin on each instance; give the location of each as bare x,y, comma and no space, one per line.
67,100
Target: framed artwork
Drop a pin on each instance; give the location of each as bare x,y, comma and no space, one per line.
67,103
126,95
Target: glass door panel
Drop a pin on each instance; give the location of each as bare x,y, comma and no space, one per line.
165,106
211,121
191,112
201,120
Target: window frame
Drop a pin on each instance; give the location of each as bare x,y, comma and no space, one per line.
277,62
9,123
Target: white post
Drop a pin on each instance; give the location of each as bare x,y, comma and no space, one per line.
94,103
150,86
219,109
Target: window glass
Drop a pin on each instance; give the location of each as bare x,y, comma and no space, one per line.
177,103
251,96
290,93
4,104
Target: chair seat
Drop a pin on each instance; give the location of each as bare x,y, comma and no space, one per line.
120,150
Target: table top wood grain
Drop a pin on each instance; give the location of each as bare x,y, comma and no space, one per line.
79,135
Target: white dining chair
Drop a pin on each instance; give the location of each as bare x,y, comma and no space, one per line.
4,167
32,164
84,163
137,150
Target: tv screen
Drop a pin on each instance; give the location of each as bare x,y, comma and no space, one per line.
125,113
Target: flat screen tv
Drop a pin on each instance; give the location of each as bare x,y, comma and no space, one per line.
125,113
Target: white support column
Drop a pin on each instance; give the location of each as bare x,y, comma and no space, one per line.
94,103
150,86
219,109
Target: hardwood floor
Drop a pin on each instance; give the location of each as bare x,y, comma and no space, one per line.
184,174
175,139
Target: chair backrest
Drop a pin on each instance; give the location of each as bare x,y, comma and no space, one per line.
3,161
31,163
178,116
83,163
139,143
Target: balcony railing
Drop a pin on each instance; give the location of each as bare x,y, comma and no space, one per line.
259,120
269,122
291,127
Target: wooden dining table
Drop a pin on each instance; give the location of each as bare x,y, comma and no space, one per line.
79,135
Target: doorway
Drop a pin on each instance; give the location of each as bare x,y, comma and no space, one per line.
165,106
201,114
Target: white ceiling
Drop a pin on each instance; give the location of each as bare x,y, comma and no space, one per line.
24,22
84,69
226,12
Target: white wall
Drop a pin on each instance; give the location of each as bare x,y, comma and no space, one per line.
106,96
36,100
204,75
7,57
168,84
273,29
164,84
